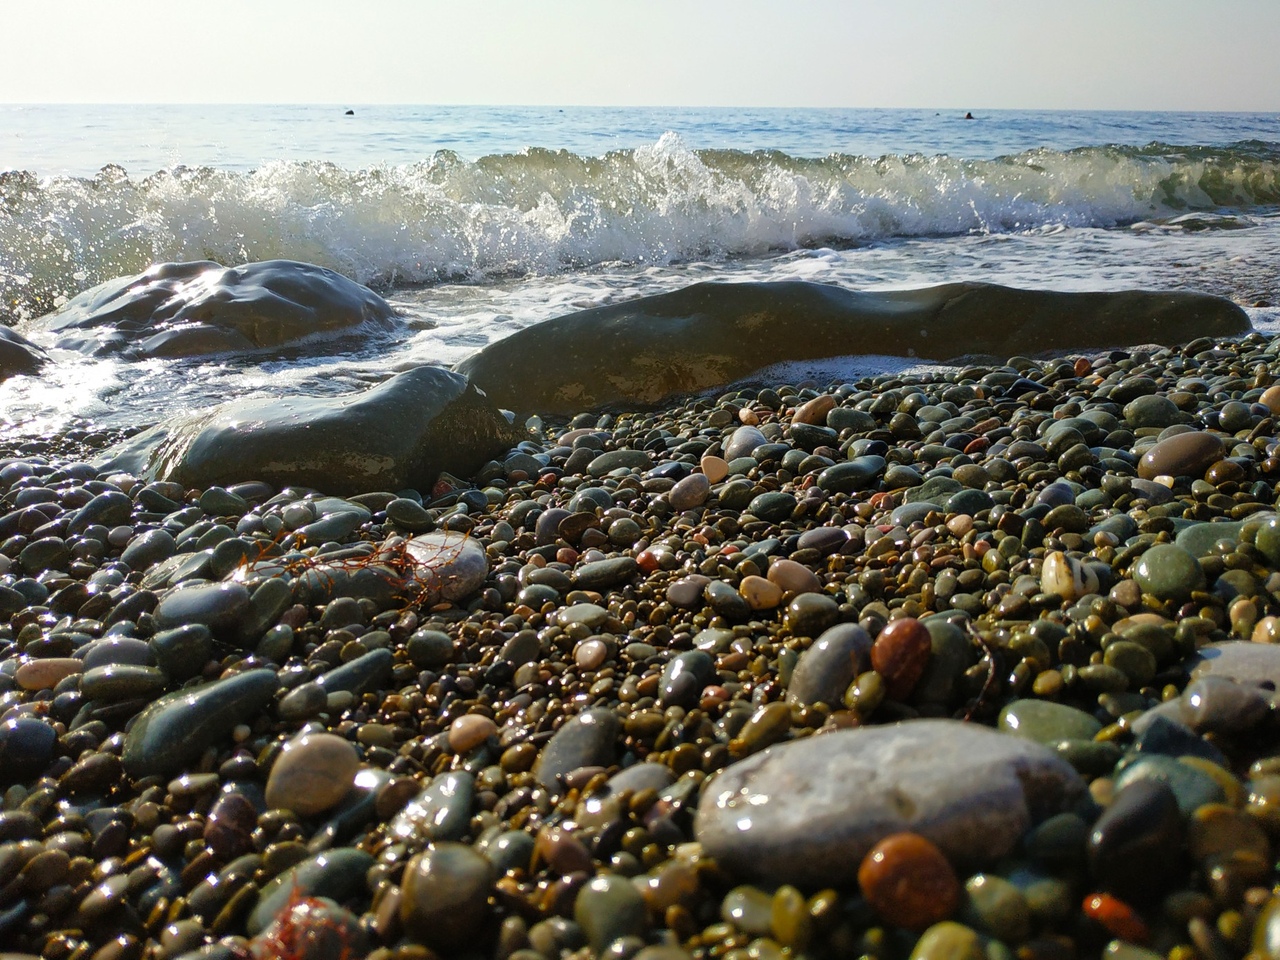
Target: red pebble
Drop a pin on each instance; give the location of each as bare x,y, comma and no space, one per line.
909,882
647,561
900,654
1120,919
566,555
1082,366
977,445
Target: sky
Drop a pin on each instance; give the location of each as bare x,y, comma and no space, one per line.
960,54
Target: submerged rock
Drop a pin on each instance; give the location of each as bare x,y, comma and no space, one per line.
200,307
401,433
711,334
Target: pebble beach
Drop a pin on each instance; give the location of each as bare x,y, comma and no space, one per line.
969,663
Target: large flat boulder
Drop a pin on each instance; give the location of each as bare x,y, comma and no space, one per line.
807,812
399,434
711,334
199,308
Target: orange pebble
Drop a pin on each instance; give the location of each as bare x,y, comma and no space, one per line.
909,882
900,654
1120,919
1082,366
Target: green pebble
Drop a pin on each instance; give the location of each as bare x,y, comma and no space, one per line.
610,907
1047,722
949,941
997,907
1133,660
1168,572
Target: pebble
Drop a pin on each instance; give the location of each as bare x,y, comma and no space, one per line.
588,739
827,668
174,731
909,882
1183,455
691,492
900,655
312,774
444,900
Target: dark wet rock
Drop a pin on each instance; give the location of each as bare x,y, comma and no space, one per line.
1135,848
399,434
1182,455
175,730
366,672
825,670
440,812
684,677
445,896
772,507
711,334
601,574
218,606
338,874
19,355
808,811
199,308
587,740
26,747
183,651
149,548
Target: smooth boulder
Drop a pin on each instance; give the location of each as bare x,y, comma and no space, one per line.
711,334
399,434
201,307
806,812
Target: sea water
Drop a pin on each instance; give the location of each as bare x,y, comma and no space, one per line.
478,221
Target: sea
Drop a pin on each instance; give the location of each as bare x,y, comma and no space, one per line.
477,221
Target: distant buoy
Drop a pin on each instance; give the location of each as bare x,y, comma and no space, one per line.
351,113
968,116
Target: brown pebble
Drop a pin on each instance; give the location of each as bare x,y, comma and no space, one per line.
1182,455
814,411
1271,398
716,468
47,672
469,731
760,593
312,774
909,882
900,654
794,578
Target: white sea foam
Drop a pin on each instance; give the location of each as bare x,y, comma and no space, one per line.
543,212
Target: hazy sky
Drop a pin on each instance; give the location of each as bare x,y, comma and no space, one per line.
970,54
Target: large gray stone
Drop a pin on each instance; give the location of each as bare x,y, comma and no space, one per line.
401,433
1239,660
711,334
199,308
807,812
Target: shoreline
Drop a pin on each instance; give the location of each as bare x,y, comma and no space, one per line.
697,639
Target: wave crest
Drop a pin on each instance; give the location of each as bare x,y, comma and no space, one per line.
543,211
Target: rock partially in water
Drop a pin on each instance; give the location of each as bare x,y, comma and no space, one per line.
199,308
399,434
18,354
711,334
808,811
